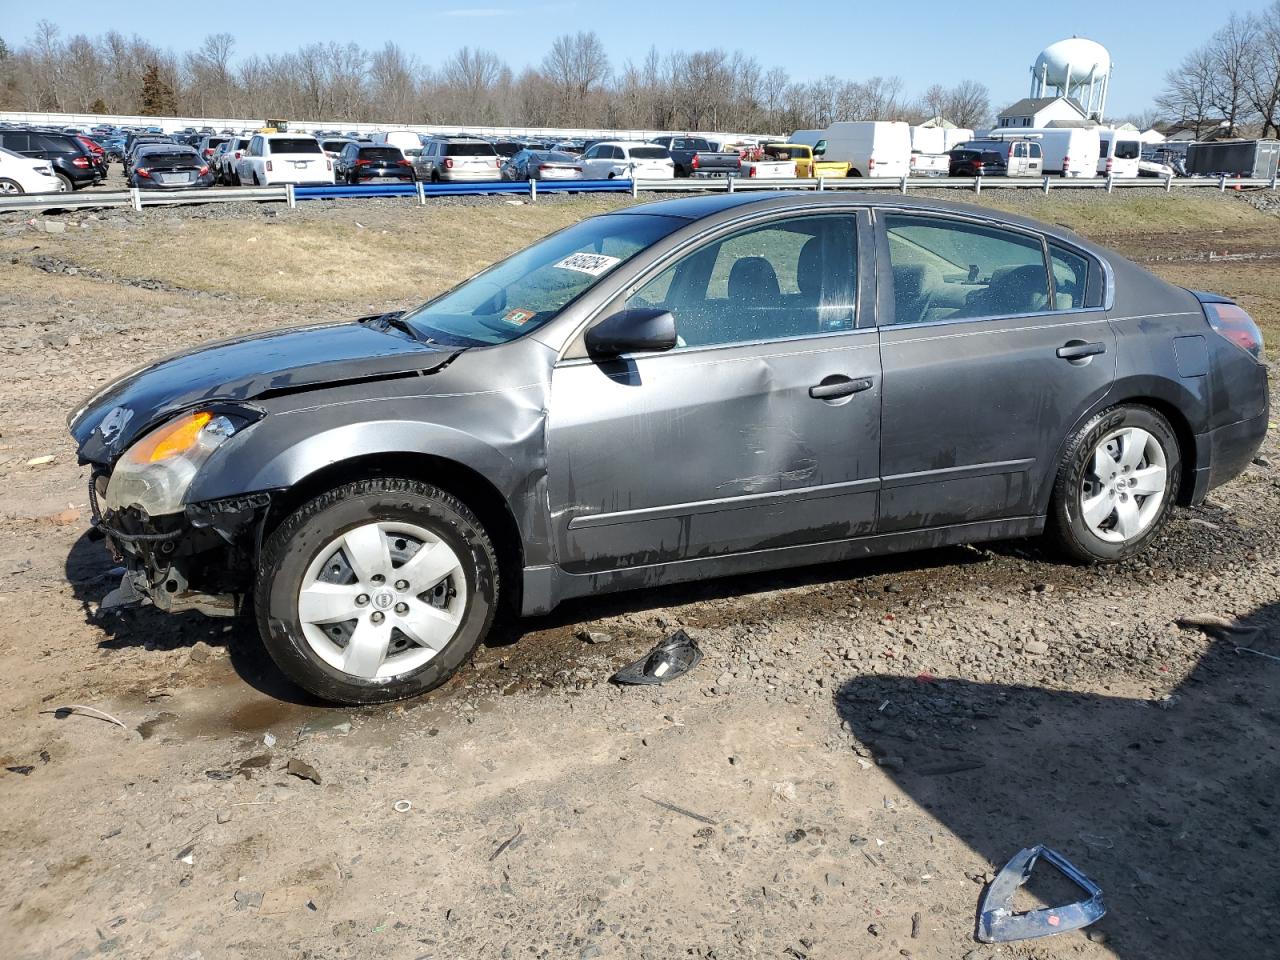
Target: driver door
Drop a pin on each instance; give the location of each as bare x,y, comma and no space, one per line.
758,432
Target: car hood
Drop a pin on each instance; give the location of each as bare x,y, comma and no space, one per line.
243,369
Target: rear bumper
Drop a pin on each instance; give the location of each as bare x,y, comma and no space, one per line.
1224,453
470,176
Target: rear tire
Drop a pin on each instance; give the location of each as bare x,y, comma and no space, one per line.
11,187
308,556
1116,484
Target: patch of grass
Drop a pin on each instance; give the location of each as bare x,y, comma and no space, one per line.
1138,212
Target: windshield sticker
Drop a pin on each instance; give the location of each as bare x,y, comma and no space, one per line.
593,264
518,317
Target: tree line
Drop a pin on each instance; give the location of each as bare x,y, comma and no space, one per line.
1232,81
576,84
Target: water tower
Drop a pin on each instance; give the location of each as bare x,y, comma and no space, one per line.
1076,68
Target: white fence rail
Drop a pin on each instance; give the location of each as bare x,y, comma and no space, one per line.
138,199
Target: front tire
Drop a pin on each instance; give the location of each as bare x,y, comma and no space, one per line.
1117,483
64,183
376,590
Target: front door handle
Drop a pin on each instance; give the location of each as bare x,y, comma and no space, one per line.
832,388
1079,350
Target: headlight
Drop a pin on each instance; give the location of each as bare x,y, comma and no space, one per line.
154,473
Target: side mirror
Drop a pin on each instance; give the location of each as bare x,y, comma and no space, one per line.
632,331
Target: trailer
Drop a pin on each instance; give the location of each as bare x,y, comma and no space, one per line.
1258,159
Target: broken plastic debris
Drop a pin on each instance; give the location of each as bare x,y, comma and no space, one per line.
997,921
402,806
303,771
673,657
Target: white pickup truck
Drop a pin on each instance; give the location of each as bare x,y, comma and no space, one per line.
929,157
757,165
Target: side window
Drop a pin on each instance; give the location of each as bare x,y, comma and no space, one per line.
1070,278
590,154
619,153
952,270
790,278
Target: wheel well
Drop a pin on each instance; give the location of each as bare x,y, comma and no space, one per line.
467,485
1186,442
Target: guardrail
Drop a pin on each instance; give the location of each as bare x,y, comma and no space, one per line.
138,199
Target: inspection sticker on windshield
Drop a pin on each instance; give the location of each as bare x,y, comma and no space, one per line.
518,317
592,263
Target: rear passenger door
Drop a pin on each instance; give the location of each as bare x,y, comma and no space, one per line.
987,367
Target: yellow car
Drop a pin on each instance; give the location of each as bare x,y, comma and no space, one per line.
806,165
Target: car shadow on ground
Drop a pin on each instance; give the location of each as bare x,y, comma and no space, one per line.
1170,806
89,570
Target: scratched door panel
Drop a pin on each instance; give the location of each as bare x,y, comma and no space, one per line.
697,453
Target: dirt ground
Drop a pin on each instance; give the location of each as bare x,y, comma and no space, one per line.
864,745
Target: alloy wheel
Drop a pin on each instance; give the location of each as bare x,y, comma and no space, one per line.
382,599
1124,486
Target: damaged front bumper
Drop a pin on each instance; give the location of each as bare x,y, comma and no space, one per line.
201,559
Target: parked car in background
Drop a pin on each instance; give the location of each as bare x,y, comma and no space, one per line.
273,158
1066,151
453,159
542,165
806,167
575,147
404,140
226,157
169,166
72,163
997,158
209,143
114,147
359,485
872,148
332,146
372,163
1151,168
761,163
19,174
1119,152
627,160
929,157
695,157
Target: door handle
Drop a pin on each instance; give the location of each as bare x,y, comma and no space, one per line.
832,388
1079,350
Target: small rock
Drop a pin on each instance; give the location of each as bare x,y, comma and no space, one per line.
796,835
1096,936
593,636
199,652
1036,647
224,816
247,899
875,929
303,771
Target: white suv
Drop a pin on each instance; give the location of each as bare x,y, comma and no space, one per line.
624,159
284,158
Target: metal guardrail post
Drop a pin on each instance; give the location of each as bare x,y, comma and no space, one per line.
1168,183
289,197
422,194
822,183
730,187
635,189
1273,181
977,184
902,185
1222,184
1111,182
533,190
1048,183
135,197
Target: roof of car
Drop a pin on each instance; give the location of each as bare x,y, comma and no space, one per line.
698,208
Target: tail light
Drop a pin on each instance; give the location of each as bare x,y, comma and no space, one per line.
403,163
448,163
208,152
543,166
204,170
1110,161
751,172
871,164
363,163
237,154
977,168
142,172
1230,321
268,166
80,162
694,162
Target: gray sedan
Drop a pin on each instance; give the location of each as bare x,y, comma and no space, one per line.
674,391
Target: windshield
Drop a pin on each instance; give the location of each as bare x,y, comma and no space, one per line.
177,158
649,153
525,291
294,145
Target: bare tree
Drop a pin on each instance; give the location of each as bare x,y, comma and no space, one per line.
576,68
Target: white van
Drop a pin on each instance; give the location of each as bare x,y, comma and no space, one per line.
1119,153
1068,151
406,140
872,148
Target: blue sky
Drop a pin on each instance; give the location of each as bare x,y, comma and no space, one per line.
921,41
